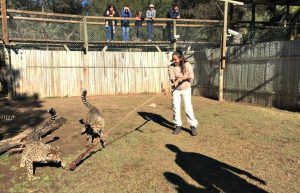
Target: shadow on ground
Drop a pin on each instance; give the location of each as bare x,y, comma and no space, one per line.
160,120
16,116
213,175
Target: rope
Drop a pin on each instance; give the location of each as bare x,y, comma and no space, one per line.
134,110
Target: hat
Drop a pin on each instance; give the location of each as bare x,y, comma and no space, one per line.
151,5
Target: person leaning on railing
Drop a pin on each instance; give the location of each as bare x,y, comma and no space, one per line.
110,25
138,24
126,12
150,14
174,14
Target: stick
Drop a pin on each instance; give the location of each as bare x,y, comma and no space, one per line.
76,162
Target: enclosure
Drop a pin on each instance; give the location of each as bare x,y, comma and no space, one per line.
48,58
240,148
56,55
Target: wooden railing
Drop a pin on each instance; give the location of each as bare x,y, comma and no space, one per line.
83,23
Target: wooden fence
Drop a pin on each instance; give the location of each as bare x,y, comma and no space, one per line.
266,73
64,73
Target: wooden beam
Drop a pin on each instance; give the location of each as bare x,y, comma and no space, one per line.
66,47
85,36
107,18
44,13
223,55
234,2
158,49
275,2
174,34
252,24
46,20
103,23
5,35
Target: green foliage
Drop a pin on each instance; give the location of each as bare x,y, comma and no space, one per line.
24,4
67,6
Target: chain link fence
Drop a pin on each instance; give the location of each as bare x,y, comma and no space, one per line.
74,32
262,58
263,61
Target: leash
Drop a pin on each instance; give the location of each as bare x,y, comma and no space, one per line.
87,152
163,90
134,110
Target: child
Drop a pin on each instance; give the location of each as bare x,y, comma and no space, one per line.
138,24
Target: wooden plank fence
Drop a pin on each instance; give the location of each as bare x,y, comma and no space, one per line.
266,73
64,73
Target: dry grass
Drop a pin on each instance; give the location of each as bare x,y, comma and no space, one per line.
240,148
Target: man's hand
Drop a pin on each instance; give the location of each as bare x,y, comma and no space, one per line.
181,79
175,84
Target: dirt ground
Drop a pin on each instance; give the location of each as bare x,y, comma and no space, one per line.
239,148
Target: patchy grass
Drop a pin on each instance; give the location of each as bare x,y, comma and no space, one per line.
239,148
4,159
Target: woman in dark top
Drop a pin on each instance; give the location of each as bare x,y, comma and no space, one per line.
138,24
110,25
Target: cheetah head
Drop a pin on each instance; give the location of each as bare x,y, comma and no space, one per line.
54,155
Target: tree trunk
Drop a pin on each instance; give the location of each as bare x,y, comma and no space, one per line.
17,141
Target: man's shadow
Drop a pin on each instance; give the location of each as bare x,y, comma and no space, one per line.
181,185
160,120
213,175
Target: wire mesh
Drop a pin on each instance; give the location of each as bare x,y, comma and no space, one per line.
74,31
264,72
262,66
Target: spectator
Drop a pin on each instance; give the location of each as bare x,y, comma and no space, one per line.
150,15
110,25
126,12
173,14
138,24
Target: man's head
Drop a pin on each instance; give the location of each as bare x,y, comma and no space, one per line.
175,7
151,6
126,8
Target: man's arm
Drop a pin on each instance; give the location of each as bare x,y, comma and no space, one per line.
188,73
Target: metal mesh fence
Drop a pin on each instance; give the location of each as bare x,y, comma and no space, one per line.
262,61
74,31
263,67
264,73
259,33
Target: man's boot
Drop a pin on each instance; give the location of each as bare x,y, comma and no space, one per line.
193,131
177,130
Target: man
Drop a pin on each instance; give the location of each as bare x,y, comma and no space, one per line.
150,15
173,14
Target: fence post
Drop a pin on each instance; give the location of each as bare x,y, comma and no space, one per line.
252,24
4,22
5,36
174,34
85,36
9,74
223,54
